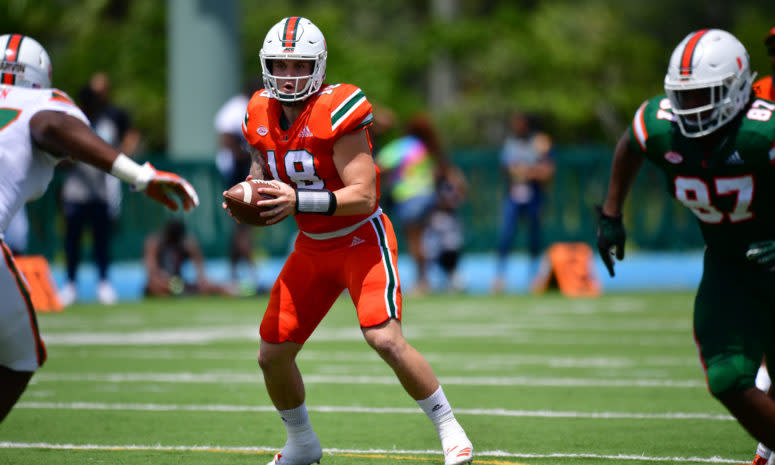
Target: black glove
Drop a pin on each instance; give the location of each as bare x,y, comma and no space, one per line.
610,238
763,254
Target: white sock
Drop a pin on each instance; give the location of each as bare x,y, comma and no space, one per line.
440,413
302,445
763,451
296,421
763,381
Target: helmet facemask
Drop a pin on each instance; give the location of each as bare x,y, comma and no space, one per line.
703,108
311,82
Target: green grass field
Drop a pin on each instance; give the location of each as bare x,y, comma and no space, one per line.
534,380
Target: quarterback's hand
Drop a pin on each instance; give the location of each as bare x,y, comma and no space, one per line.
763,254
610,239
282,205
165,188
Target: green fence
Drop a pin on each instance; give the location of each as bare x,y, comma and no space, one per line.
654,221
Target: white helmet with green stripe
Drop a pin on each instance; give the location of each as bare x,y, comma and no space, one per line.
24,62
294,38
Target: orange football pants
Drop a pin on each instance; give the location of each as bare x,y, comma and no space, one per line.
364,262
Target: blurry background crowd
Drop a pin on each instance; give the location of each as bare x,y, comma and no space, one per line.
505,111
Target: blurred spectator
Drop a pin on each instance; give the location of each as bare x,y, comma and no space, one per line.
92,197
233,162
528,165
381,130
412,165
164,256
764,88
444,236
17,233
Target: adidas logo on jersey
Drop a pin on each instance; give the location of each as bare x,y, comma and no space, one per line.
734,159
356,240
305,132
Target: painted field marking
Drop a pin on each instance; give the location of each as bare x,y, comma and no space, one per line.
151,407
378,454
226,377
643,332
368,356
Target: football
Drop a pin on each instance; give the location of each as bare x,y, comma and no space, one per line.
241,200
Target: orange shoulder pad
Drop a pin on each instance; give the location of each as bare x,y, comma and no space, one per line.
348,108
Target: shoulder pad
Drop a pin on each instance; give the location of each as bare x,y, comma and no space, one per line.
61,96
347,107
654,116
756,135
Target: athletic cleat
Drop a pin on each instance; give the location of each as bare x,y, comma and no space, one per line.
758,460
299,454
68,294
106,295
458,450
278,460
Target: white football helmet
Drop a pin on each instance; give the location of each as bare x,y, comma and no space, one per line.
294,38
24,62
708,81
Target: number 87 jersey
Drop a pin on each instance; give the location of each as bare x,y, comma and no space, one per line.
302,155
729,187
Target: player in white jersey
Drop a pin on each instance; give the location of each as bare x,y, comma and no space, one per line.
38,126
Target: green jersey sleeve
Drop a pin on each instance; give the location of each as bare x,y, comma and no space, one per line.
651,128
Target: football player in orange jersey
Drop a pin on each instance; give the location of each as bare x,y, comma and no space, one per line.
765,87
311,139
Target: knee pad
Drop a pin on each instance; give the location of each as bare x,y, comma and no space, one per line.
730,374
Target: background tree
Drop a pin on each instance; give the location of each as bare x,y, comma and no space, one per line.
584,65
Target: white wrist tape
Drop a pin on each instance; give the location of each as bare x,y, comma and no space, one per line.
315,201
127,170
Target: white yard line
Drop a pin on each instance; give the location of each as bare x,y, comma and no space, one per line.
368,356
546,329
334,451
376,410
231,377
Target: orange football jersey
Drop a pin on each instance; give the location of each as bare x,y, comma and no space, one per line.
764,88
303,155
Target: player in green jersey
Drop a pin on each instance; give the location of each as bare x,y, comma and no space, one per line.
715,143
